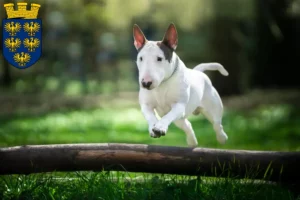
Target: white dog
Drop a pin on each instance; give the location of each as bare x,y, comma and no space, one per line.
168,87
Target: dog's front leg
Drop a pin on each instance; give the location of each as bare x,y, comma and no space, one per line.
177,111
148,112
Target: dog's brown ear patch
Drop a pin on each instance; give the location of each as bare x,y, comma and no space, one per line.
168,52
171,37
139,37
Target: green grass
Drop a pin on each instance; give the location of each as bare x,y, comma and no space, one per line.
103,185
265,128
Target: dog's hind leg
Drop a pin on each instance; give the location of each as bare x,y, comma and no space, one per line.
213,111
216,120
186,126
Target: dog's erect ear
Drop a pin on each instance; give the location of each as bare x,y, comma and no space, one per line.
139,37
171,37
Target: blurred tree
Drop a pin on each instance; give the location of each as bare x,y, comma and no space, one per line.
278,48
6,74
253,39
228,41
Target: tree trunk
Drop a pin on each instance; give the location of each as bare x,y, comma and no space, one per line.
274,166
224,49
6,76
278,45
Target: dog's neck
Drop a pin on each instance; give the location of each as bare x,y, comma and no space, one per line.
176,63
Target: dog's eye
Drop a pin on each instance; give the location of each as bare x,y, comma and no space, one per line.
141,58
159,59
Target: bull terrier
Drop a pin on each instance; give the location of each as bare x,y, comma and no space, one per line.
172,91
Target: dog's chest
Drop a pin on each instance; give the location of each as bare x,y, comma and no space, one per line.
164,98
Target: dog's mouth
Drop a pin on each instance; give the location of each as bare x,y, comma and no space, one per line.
147,88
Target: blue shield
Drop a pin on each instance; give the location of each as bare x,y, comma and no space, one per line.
22,41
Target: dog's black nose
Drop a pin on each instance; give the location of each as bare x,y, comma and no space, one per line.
146,84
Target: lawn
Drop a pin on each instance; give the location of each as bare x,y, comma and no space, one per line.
103,185
273,127
264,128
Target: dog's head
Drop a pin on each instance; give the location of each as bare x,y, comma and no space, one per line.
154,59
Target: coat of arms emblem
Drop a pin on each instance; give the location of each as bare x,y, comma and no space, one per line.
22,35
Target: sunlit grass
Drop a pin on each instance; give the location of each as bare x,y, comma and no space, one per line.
266,128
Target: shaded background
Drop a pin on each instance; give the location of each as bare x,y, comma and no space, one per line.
84,87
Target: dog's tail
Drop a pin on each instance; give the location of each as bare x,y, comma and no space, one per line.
211,66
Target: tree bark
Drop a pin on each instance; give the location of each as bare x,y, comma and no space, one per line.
272,166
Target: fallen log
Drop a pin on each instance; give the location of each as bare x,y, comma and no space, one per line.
269,165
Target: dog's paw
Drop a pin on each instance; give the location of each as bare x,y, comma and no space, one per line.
192,142
222,138
160,129
152,133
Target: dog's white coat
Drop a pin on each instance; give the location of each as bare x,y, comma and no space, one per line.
177,92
